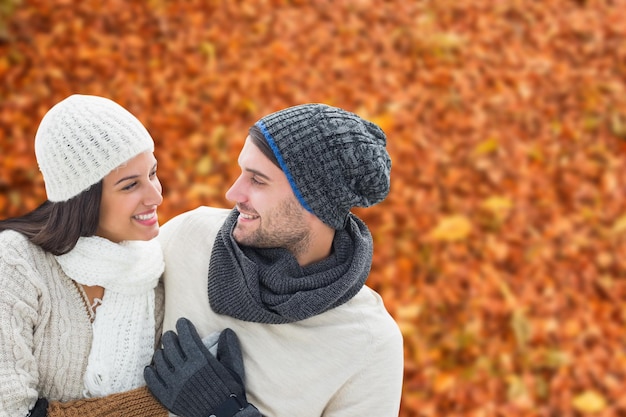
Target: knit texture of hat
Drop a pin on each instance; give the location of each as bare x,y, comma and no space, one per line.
333,159
82,139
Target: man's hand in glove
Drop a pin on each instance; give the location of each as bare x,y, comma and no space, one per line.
190,382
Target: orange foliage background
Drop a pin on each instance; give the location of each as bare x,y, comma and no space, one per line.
501,249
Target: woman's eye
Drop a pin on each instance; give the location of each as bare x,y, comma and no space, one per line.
255,181
129,186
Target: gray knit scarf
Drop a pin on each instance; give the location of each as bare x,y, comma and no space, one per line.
268,285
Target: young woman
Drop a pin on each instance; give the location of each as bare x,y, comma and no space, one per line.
81,303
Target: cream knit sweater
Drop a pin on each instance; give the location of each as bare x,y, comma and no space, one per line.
45,328
345,362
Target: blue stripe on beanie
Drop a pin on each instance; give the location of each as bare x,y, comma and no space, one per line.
283,166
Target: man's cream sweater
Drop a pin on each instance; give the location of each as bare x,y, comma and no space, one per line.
345,362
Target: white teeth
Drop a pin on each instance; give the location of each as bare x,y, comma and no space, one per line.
247,216
145,216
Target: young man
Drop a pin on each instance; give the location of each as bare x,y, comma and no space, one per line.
285,269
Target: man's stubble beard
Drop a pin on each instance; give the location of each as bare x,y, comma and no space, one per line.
284,227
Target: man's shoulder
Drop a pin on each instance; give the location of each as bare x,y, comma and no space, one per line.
201,221
372,312
203,216
202,212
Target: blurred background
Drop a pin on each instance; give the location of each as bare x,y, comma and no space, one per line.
501,249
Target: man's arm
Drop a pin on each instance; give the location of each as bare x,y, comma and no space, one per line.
376,389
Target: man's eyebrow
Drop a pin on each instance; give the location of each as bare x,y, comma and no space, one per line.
259,173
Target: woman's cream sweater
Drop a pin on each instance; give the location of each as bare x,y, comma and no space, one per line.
45,329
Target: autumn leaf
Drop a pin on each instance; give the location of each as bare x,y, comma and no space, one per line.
487,146
497,204
619,227
589,402
451,229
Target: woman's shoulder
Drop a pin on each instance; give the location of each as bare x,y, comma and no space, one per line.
10,240
16,250
20,258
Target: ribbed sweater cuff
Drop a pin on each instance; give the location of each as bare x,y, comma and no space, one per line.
137,403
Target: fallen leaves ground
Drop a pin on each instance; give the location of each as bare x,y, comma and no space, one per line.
501,249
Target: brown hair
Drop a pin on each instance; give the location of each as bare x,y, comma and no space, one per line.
259,140
56,227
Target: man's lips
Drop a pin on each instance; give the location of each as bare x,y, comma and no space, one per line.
246,216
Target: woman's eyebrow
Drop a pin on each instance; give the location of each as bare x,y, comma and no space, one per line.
130,177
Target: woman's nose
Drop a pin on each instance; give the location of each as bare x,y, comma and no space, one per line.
154,196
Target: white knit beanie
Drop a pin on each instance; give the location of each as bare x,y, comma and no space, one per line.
82,139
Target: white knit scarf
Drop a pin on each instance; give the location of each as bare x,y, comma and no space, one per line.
124,327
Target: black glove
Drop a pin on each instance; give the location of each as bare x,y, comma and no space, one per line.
40,409
191,382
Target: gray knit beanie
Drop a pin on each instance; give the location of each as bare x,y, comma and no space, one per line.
82,139
333,159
